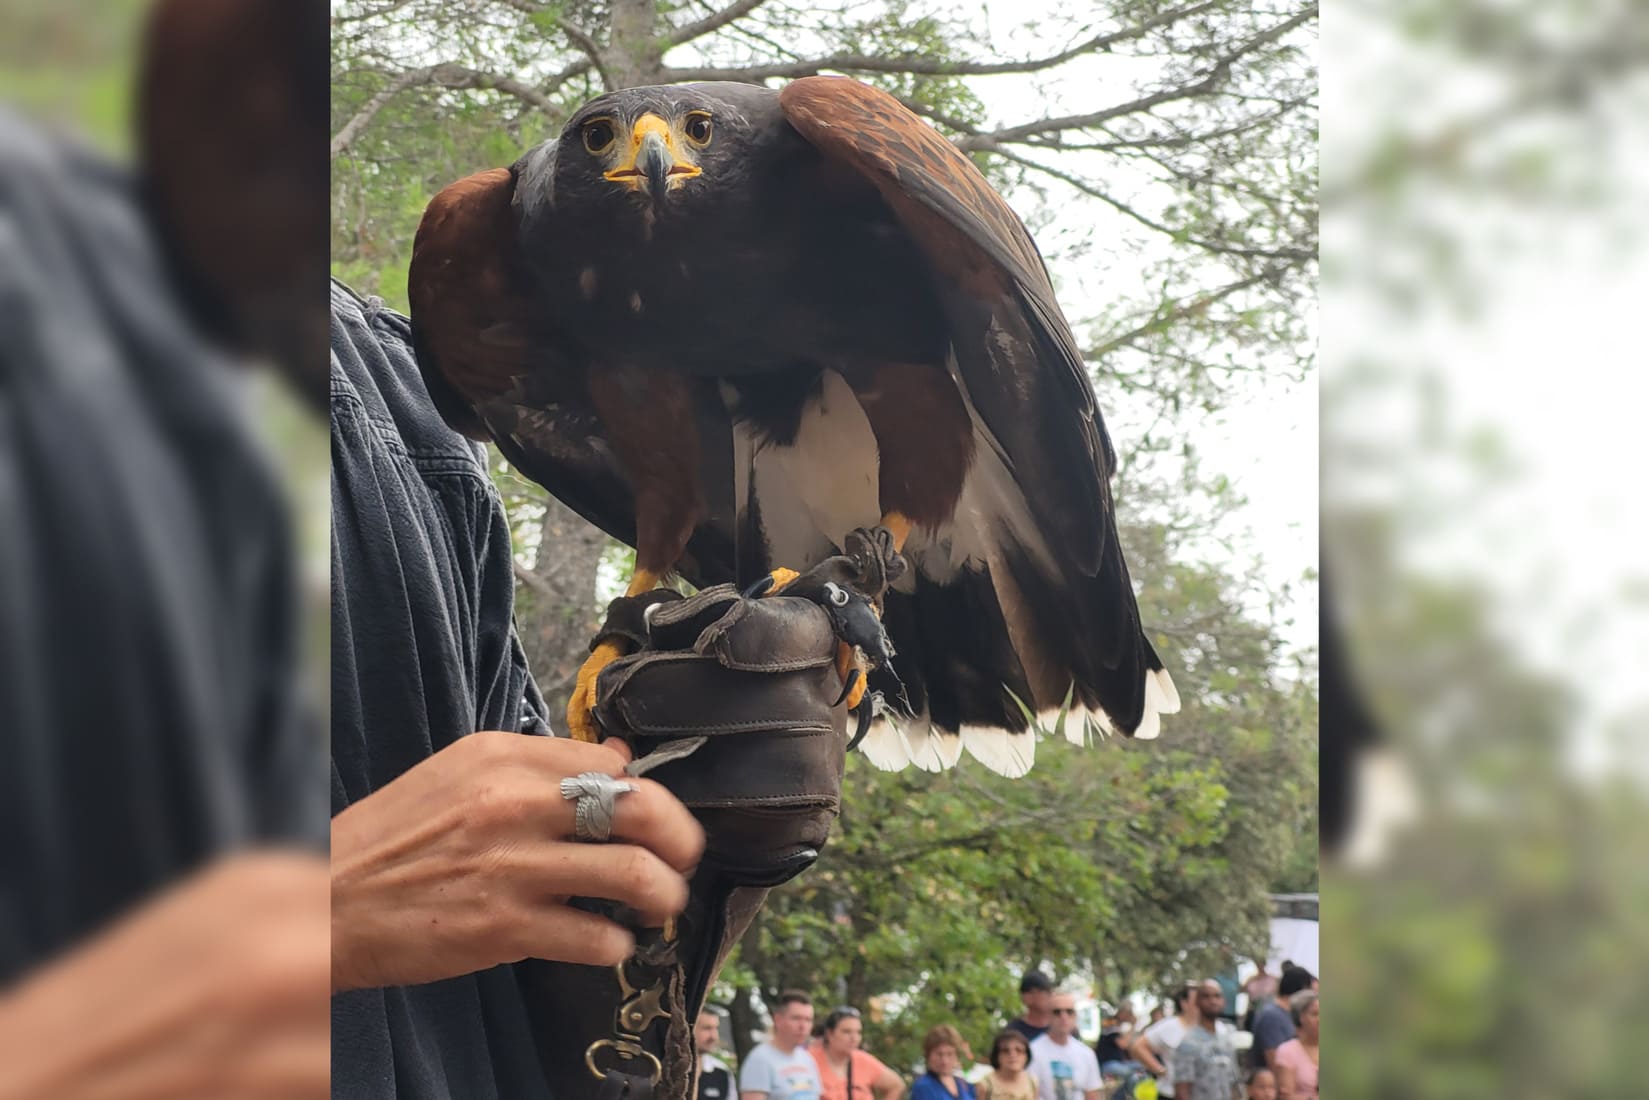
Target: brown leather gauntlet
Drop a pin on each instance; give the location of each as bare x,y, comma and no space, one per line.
732,704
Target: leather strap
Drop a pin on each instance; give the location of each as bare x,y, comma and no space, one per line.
627,616
622,1086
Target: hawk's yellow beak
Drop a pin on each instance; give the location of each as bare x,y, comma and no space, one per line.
653,160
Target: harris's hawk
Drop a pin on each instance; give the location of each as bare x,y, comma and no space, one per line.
730,326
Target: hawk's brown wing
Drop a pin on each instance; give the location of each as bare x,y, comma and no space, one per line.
1026,378
1063,587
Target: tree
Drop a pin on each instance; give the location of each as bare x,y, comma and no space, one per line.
1172,141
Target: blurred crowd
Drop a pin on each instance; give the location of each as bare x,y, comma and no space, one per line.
1191,1047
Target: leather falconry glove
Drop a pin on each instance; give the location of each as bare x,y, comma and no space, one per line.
735,704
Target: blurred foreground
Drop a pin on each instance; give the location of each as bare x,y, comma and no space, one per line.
1487,182
164,894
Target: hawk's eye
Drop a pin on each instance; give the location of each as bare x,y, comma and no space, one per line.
697,128
599,135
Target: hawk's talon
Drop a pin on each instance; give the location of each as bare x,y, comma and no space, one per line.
867,712
851,669
855,679
581,721
771,584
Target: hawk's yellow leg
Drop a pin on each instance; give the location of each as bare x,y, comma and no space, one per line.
581,707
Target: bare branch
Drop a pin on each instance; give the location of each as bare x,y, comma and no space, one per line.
578,36
535,582
713,22
370,13
759,36
571,72
1161,319
1297,255
928,66
1204,85
458,76
445,75
588,47
413,78
1174,141
1203,178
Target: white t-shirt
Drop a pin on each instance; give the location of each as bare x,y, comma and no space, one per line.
1063,1071
1164,1036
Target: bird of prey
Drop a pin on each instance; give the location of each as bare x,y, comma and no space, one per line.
731,325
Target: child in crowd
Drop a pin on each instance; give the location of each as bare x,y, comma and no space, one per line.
1262,1085
1010,1078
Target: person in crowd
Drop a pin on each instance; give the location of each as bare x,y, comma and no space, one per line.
1156,1044
1065,1068
1229,986
1262,1085
1205,1061
715,1079
1010,1077
781,1068
942,1051
847,1072
1261,990
1274,1024
1114,1040
1036,992
1158,1011
1296,1061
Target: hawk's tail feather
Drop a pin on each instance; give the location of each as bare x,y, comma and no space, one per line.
992,656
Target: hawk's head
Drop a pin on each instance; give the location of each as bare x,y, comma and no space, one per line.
667,152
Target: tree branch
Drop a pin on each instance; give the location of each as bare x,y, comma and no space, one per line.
572,71
1162,319
1296,255
444,75
929,66
535,582
1203,85
459,76
366,13
588,47
1175,140
713,22
412,78
578,36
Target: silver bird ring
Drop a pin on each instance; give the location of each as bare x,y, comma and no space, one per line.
596,794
